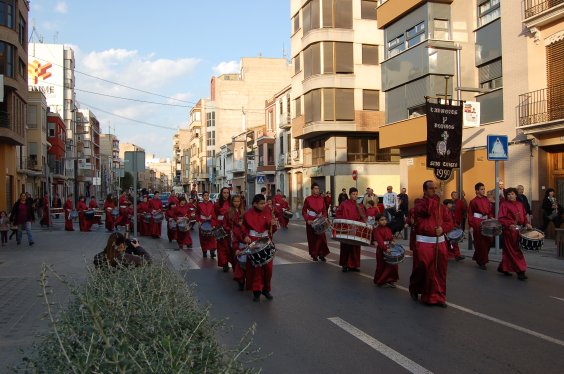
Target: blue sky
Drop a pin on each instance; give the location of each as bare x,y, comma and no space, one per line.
170,48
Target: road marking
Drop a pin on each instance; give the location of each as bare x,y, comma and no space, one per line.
293,250
393,355
557,298
181,260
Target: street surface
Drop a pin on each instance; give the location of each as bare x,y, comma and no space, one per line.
322,320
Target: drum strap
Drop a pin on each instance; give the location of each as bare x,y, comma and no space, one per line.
361,212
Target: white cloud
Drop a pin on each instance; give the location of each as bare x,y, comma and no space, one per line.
61,7
226,67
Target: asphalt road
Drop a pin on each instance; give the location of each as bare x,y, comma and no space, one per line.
324,321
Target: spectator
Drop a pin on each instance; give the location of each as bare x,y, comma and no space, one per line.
343,196
120,251
521,197
369,196
4,227
22,216
403,202
328,200
551,210
390,202
57,203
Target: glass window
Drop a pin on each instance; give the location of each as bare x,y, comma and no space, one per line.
344,104
416,34
32,116
361,149
328,104
311,16
298,102
22,69
297,65
337,14
22,32
441,29
7,13
488,11
491,75
51,130
396,45
344,58
369,54
312,106
368,9
312,64
317,152
370,100
296,22
328,58
270,153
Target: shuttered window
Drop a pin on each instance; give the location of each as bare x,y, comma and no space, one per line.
490,75
555,75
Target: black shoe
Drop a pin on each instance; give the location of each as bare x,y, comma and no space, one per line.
460,258
256,296
414,296
441,304
345,269
267,295
205,254
504,272
241,286
212,254
322,259
225,268
483,267
521,276
314,258
31,243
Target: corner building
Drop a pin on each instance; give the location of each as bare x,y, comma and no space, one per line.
337,102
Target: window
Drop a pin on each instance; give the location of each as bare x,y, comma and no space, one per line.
22,69
337,105
370,100
441,29
32,149
296,22
368,9
297,65
51,129
32,116
298,102
312,106
311,16
288,143
396,45
7,59
490,75
210,119
270,117
416,34
488,11
361,149
317,152
7,13
22,34
369,54
344,58
270,153
312,64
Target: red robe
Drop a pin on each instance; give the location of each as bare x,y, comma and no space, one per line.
182,237
237,237
350,254
512,258
428,277
223,245
205,212
482,244
110,221
93,204
142,226
452,246
412,235
83,223
123,219
279,206
385,273
258,278
170,233
317,244
459,212
173,199
155,205
68,222
45,219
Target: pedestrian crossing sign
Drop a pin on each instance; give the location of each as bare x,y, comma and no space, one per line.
498,148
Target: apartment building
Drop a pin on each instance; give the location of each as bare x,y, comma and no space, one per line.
181,158
491,59
111,163
13,68
56,136
337,103
88,175
199,146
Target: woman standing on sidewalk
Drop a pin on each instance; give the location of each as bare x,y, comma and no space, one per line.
4,227
22,216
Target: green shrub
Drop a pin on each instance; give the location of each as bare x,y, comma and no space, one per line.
139,320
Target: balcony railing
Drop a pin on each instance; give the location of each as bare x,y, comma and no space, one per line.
534,7
541,105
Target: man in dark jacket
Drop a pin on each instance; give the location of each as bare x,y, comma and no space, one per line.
523,199
343,196
22,216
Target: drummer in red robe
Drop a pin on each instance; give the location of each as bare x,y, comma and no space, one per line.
432,221
452,245
83,222
68,209
512,216
205,213
182,211
172,198
280,204
237,237
123,202
143,207
155,207
45,219
314,206
93,205
349,257
170,216
109,206
386,275
221,208
257,224
480,209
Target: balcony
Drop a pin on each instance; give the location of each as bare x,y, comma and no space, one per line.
364,121
284,121
542,110
391,10
404,133
7,131
542,12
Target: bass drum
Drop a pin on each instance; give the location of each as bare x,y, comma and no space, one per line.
352,232
158,217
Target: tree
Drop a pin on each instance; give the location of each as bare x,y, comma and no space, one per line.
126,181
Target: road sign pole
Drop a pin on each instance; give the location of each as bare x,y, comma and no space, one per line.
496,202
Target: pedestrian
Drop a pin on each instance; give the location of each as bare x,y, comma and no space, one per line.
386,275
234,223
328,201
349,257
143,213
205,216
459,210
109,206
45,219
280,206
170,219
258,224
121,252
22,216
4,227
68,209
343,196
452,245
480,209
551,210
221,208
522,198
513,217
403,201
369,196
57,204
314,207
429,274
93,205
390,201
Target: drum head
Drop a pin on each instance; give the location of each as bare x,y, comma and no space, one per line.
396,255
206,226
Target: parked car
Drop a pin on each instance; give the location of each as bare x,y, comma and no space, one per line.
163,196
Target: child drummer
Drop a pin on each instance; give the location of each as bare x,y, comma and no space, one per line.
452,245
386,275
259,224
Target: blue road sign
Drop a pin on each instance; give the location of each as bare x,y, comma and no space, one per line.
498,148
260,179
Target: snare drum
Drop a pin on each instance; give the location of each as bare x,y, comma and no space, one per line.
172,224
260,252
147,217
89,214
158,217
455,235
206,228
73,214
531,240
287,214
320,225
490,227
115,212
219,233
395,255
352,232
182,225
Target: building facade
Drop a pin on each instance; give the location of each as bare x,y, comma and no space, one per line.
111,164
56,136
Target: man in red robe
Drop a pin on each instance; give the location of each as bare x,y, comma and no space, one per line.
221,208
314,206
349,257
432,221
206,213
480,209
172,198
93,205
155,207
512,216
68,207
258,224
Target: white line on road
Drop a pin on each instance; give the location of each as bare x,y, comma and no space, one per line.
557,298
393,355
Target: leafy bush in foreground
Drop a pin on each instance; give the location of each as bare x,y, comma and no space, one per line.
140,320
